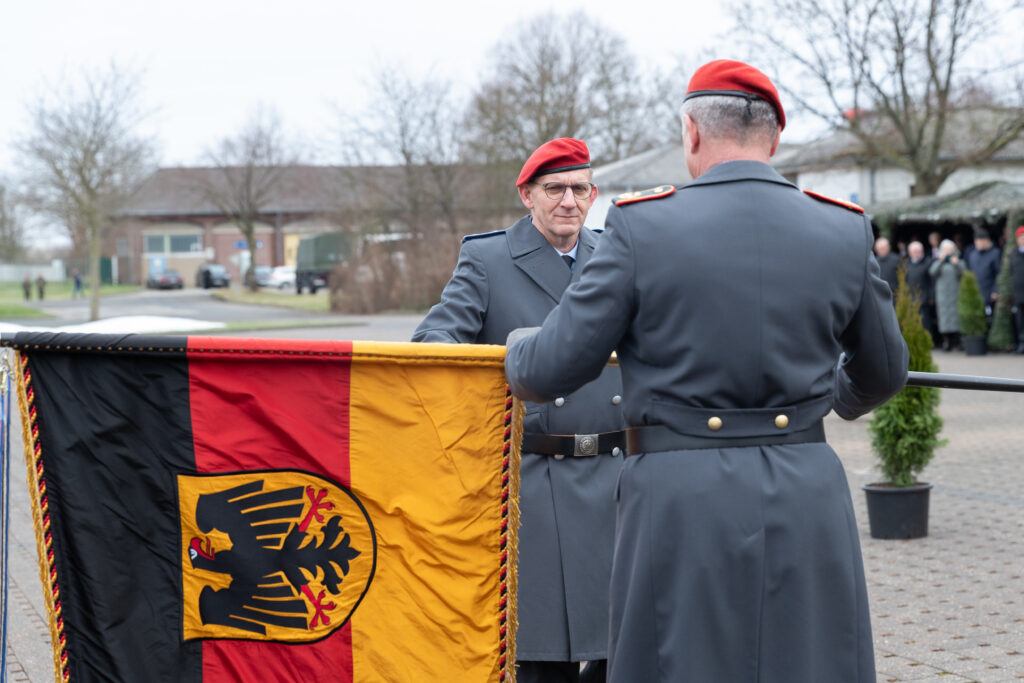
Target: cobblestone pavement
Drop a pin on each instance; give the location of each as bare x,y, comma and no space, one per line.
946,608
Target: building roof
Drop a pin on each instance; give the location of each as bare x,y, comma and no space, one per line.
964,130
183,191
987,201
838,149
661,166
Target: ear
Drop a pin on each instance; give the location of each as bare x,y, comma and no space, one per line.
524,195
775,143
691,136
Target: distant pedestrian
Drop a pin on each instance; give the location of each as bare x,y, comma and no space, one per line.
1017,271
77,291
41,285
920,283
888,262
946,271
984,261
26,286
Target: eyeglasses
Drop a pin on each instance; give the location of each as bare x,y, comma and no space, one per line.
557,190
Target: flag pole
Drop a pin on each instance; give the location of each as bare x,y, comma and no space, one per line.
947,381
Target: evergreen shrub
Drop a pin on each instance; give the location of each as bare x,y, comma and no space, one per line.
971,307
905,430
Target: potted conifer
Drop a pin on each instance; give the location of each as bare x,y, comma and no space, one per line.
971,307
904,435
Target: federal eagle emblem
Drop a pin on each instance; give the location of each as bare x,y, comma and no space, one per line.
278,555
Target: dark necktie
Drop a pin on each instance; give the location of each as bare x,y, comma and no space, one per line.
569,260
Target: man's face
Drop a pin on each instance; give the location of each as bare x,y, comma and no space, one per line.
882,247
982,243
916,251
559,220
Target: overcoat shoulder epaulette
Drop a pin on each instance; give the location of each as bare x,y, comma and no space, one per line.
643,195
480,235
832,200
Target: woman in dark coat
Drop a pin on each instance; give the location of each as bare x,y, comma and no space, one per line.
945,272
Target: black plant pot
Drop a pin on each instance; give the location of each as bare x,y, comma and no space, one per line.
975,346
898,511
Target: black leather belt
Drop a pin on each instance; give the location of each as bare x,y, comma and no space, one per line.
574,445
654,438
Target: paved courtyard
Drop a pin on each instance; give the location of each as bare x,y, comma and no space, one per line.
946,608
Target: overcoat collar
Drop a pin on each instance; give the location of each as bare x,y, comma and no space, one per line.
535,256
731,171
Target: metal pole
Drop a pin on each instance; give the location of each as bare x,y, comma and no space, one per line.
946,381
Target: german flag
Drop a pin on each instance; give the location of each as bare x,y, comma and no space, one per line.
215,509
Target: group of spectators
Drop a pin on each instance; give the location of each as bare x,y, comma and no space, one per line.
934,274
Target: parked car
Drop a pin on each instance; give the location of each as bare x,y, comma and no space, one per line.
262,275
282,277
165,279
212,275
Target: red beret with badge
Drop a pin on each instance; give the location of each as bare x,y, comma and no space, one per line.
1020,231
555,156
732,78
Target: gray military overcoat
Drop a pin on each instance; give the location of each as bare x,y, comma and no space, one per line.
732,298
503,281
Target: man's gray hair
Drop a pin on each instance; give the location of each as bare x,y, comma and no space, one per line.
736,118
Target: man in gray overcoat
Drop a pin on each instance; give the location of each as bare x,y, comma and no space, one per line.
743,310
573,445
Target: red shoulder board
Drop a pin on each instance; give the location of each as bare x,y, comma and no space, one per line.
641,195
832,200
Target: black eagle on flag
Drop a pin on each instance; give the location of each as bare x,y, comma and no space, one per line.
274,557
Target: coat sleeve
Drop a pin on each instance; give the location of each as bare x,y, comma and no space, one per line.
873,365
578,336
459,317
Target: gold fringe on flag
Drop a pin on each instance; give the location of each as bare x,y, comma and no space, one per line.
41,518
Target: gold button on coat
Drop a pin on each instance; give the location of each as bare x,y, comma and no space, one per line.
714,423
781,421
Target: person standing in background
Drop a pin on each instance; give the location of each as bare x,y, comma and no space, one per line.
945,272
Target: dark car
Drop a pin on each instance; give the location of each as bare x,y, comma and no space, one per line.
165,279
212,275
262,275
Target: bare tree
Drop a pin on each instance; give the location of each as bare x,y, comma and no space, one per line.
561,76
893,74
252,165
12,246
84,156
404,172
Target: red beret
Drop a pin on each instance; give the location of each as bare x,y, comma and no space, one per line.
1020,231
728,77
560,154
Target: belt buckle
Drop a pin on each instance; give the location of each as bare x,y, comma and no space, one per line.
585,445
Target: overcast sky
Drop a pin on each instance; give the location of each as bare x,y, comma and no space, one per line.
208,63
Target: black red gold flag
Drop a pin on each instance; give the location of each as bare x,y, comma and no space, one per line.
214,509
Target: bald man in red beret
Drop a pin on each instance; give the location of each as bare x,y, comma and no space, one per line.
742,311
572,444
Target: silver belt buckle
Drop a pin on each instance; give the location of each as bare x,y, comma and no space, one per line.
585,445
